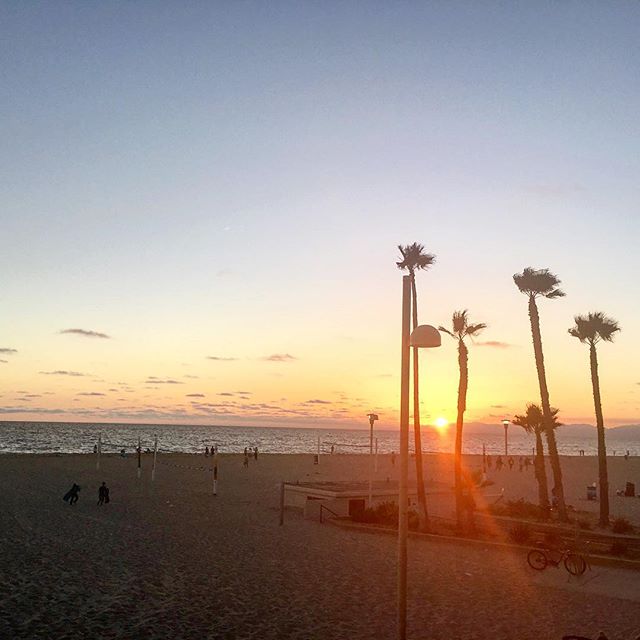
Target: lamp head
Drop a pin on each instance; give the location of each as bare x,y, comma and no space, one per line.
372,418
505,422
425,336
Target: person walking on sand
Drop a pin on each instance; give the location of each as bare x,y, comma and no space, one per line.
393,458
255,453
206,452
103,494
246,458
499,463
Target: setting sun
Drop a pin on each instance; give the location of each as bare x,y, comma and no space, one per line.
441,423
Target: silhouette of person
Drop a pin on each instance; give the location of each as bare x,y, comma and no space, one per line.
72,495
206,451
246,457
95,448
489,462
103,494
511,463
499,463
255,453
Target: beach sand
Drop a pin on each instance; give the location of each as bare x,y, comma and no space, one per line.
170,560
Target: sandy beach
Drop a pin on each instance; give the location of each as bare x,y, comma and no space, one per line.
170,560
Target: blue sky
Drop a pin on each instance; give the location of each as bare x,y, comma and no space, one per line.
196,178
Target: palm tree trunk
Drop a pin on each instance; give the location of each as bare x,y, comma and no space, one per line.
463,360
541,475
602,449
546,408
423,514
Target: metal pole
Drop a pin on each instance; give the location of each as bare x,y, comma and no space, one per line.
403,521
215,472
370,463
139,456
281,503
99,451
506,441
375,460
155,456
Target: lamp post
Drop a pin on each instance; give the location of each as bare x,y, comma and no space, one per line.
372,418
505,422
424,336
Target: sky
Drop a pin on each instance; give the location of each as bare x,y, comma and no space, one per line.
220,188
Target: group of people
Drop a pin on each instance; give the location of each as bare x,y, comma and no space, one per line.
523,462
211,452
72,495
250,453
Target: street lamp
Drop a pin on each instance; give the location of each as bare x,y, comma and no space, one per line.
423,336
505,422
372,418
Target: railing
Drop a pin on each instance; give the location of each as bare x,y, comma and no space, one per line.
335,515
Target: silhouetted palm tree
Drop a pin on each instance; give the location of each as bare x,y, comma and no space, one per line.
415,259
533,422
590,329
534,283
460,329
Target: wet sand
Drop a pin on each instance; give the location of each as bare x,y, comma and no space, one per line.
170,560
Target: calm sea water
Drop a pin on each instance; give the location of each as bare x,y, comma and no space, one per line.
61,437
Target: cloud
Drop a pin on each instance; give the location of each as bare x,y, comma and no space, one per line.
4,361
192,377
7,351
195,395
226,393
554,189
86,333
493,343
90,393
279,357
154,380
59,372
499,406
244,393
315,401
220,358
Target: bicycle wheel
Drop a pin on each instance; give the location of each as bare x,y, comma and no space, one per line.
537,559
575,564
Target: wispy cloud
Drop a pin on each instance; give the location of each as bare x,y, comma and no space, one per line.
90,393
493,343
86,333
7,351
499,406
226,393
154,380
60,372
221,358
279,357
192,377
554,189
316,401
195,395
4,361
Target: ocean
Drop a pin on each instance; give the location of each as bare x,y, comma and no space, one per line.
65,437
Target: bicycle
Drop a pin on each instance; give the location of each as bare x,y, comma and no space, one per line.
574,563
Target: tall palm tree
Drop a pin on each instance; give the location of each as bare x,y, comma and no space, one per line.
415,259
591,329
533,422
534,283
460,329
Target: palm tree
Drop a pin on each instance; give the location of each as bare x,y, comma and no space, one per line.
534,283
533,422
460,329
591,329
415,259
